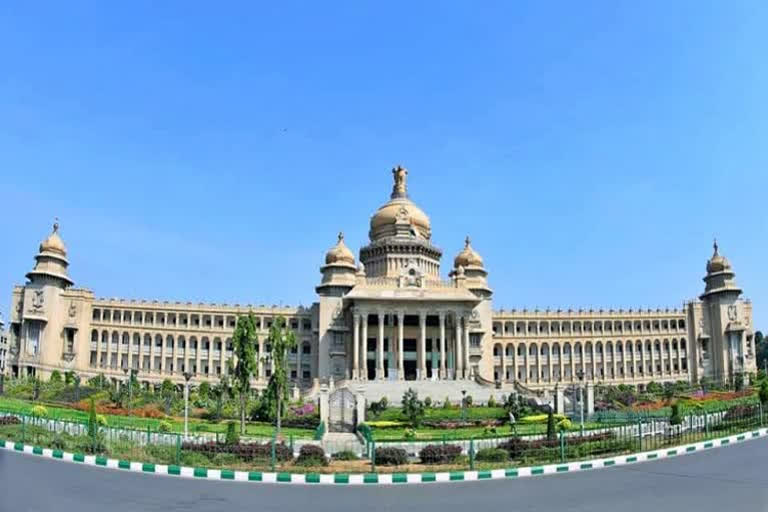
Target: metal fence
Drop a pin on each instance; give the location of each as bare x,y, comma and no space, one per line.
285,454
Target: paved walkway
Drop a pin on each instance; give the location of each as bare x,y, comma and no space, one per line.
730,478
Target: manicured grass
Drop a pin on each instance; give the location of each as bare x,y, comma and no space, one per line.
177,424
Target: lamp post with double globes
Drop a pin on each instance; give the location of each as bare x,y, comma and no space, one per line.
187,377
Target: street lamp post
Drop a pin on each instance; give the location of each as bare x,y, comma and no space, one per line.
580,375
187,376
463,405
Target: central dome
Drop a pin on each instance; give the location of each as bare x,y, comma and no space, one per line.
399,210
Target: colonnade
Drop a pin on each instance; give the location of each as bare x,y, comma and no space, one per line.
452,333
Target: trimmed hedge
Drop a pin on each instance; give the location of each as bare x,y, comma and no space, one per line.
245,451
390,456
307,421
492,455
311,455
439,453
516,446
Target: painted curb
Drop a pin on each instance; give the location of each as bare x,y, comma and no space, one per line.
381,478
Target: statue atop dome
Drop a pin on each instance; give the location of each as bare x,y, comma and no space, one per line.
400,188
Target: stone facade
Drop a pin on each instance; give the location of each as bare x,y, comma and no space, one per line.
386,317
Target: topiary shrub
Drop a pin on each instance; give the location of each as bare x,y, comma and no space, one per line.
491,402
446,403
232,436
439,453
428,402
164,426
245,451
391,456
311,455
39,411
492,455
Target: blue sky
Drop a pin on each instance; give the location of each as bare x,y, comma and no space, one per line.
211,152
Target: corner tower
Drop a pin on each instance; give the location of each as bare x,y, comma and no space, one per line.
400,234
721,323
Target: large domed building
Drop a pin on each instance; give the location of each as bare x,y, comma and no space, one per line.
385,320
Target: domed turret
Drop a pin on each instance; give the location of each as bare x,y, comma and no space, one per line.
718,263
720,276
468,257
340,253
51,260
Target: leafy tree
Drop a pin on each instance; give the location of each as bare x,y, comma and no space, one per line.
204,390
738,382
219,393
413,408
55,377
761,349
282,340
491,402
654,388
167,391
763,393
244,344
669,392
69,378
551,426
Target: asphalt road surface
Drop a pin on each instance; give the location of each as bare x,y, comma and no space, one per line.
729,479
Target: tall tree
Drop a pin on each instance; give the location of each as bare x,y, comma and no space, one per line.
244,343
282,340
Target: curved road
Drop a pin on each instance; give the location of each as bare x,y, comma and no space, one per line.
723,480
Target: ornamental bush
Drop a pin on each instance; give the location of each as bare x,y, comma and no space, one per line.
516,447
390,456
439,453
492,455
9,420
164,426
311,455
39,411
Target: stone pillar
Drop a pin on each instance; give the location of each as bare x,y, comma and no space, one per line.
364,346
324,406
590,399
400,322
442,345
380,349
459,358
356,347
360,405
559,403
423,345
466,365
503,351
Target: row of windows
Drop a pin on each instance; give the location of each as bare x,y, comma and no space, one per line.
542,374
188,320
610,347
144,363
522,328
180,342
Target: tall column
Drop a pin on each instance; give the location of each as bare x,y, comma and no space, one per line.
364,346
380,349
467,367
423,345
400,322
442,345
356,347
503,376
458,357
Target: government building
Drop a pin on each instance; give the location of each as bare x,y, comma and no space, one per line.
382,322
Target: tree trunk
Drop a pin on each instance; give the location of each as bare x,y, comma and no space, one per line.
279,411
242,413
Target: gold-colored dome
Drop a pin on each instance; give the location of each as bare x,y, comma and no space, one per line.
717,263
399,209
339,253
468,257
54,243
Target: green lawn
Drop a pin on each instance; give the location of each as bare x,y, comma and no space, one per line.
253,429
